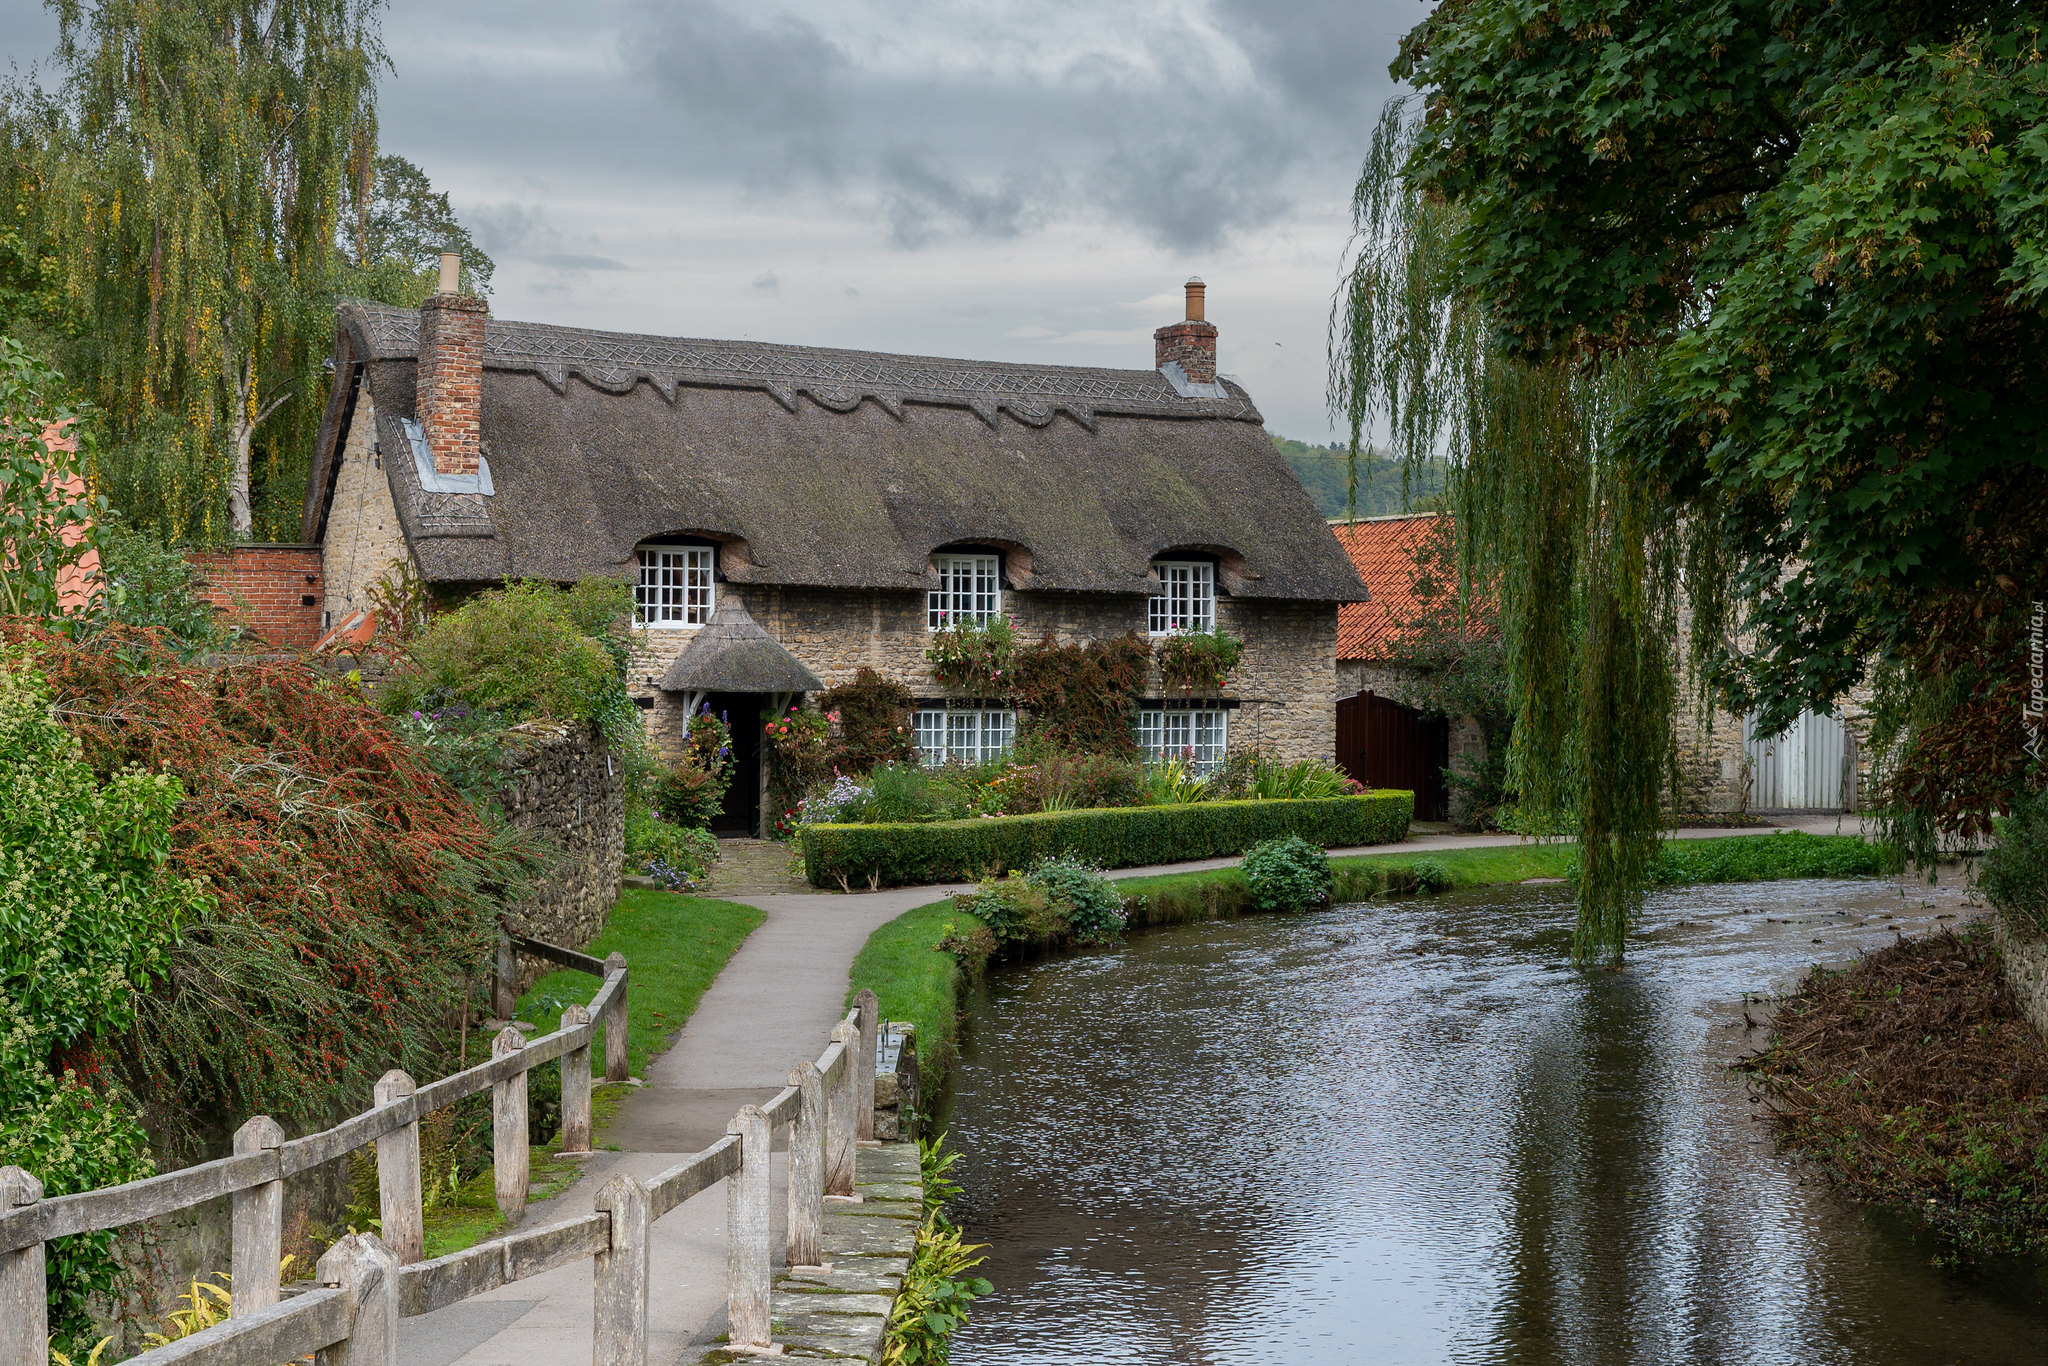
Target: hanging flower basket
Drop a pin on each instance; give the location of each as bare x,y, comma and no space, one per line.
1199,661
975,659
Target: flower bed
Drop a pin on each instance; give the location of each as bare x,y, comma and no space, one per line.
1110,837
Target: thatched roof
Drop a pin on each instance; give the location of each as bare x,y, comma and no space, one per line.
731,653
825,468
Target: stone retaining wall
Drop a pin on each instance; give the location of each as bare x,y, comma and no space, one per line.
2025,961
561,782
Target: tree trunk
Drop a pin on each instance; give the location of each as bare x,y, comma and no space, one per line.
243,429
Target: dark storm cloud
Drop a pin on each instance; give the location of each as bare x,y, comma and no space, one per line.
1188,132
735,79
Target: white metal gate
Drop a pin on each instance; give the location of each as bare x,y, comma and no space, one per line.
1804,769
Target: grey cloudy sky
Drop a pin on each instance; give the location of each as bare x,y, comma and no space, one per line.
989,178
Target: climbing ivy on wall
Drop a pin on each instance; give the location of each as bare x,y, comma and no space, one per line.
1083,697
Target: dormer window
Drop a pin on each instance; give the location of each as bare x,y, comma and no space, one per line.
969,591
1183,597
676,585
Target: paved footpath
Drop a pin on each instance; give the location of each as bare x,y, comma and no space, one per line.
772,1006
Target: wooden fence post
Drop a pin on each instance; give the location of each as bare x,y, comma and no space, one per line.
746,1232
619,1277
575,1089
839,1117
508,1130
256,1218
505,982
616,1059
398,1176
24,1287
805,1244
365,1268
870,1008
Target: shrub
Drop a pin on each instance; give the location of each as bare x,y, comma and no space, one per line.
1060,899
1095,911
1053,780
1303,780
90,909
945,851
2014,876
1287,874
691,791
873,717
1015,911
353,887
1431,875
1249,774
798,744
528,650
152,586
1172,782
677,856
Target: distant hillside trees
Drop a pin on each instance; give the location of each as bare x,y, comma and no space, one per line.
1384,488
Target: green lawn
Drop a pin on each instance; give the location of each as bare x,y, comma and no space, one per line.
919,983
674,947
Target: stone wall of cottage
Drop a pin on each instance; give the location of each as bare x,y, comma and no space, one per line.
1286,688
363,534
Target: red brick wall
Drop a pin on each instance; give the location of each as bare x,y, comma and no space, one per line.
275,591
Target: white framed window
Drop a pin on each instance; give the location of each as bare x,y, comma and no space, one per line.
676,585
970,589
1185,598
946,735
1200,737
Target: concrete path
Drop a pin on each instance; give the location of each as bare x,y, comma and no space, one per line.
773,1006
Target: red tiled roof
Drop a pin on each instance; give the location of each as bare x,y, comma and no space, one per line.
1383,548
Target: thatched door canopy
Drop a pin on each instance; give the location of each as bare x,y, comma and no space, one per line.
733,654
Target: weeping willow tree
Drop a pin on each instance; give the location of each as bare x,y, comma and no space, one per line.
1556,521
1748,296
195,192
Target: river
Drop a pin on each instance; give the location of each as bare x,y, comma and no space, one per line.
1411,1132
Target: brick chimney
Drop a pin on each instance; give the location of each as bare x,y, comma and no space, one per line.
451,372
1190,344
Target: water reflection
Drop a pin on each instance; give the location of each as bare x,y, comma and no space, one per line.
1410,1133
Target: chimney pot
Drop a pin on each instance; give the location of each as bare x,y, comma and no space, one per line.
1191,343
451,272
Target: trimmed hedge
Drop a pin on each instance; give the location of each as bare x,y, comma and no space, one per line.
1110,837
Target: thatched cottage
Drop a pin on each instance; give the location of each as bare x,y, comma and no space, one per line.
788,514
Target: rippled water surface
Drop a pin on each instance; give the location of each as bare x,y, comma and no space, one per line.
1410,1132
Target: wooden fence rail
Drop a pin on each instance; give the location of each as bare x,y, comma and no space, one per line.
365,1284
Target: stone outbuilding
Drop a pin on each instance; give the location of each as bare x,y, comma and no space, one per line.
838,506
1724,765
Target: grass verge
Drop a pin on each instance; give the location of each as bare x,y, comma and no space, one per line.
1914,1078
920,982
674,947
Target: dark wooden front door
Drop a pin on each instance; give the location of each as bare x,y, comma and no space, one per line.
741,712
1384,744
